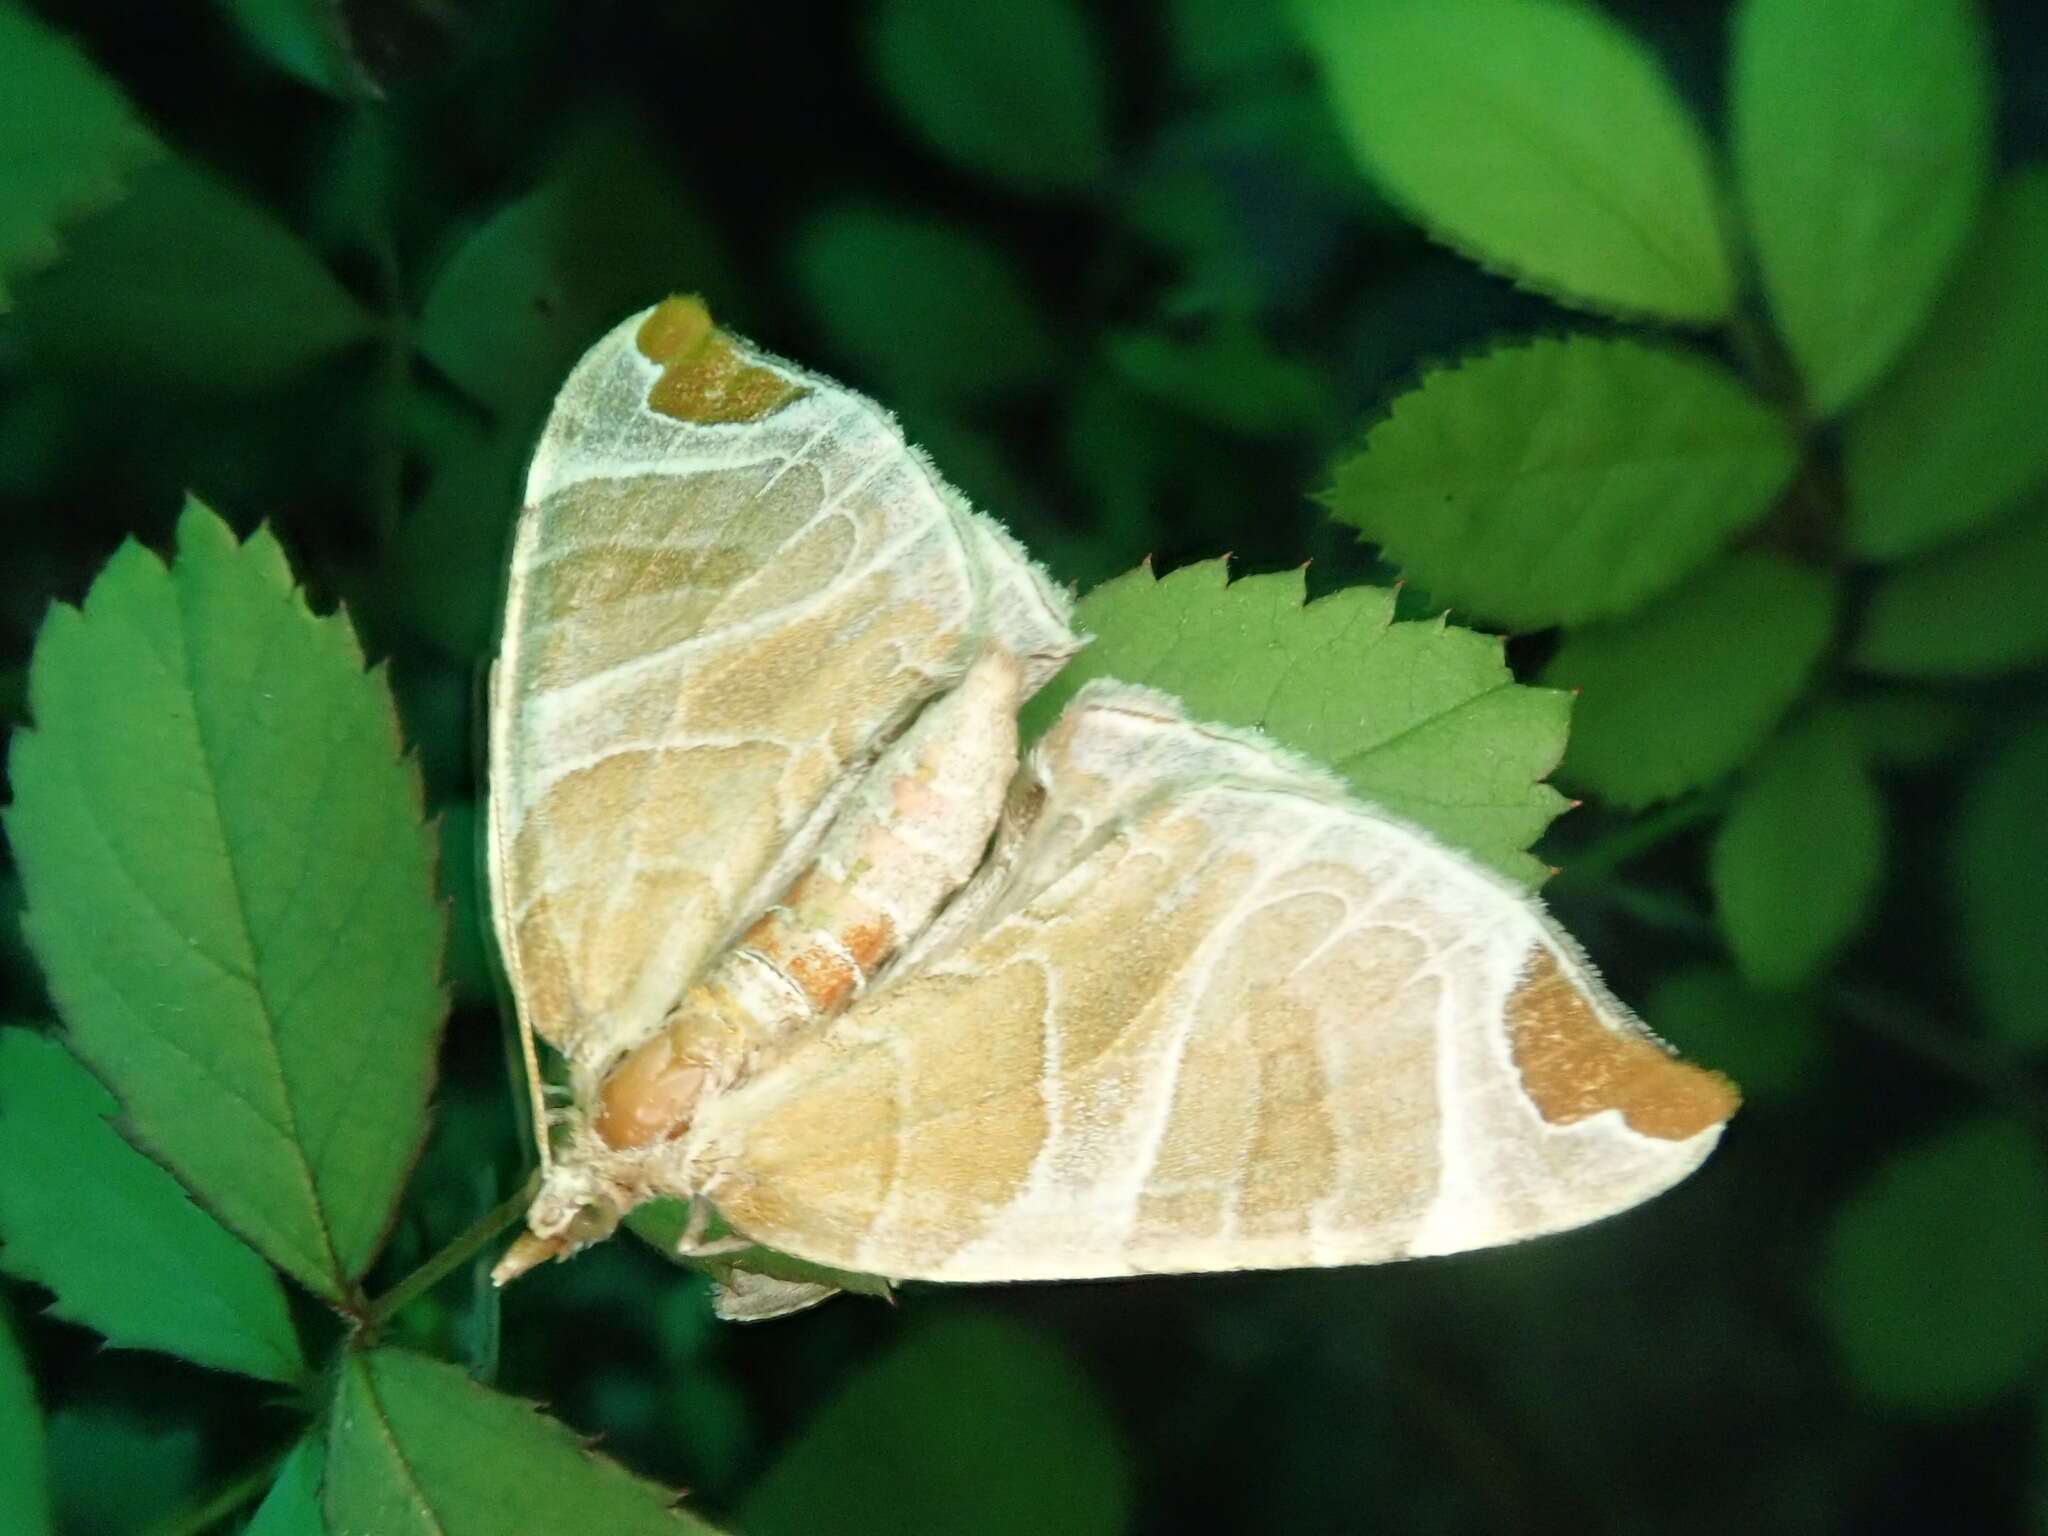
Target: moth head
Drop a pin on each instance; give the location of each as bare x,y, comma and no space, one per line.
571,1211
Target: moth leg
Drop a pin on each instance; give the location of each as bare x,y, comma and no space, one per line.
693,1245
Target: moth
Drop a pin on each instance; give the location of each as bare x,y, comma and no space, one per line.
825,959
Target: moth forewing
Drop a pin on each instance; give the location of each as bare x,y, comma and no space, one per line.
735,593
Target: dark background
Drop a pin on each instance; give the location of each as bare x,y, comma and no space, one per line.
1673,1370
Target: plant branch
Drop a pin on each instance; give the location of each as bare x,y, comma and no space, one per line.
1981,1066
458,1252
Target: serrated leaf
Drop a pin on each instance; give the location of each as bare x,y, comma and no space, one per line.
231,891
126,1251
1932,1277
1956,433
24,1470
1796,863
1769,1043
608,230
1012,92
187,285
970,1424
415,1446
1862,143
926,308
292,1507
1998,867
1562,481
1684,691
68,139
1421,717
1537,137
1231,377
307,39
1974,608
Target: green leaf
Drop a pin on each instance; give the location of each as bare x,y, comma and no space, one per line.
128,1254
292,1507
1536,137
1998,870
1795,865
1768,1043
451,551
1973,608
1932,1277
1561,481
926,308
609,230
1012,92
1956,434
115,1470
1686,690
970,1424
231,891
415,1446
1217,41
187,285
1863,143
1420,717
1902,728
24,1472
307,39
68,139
1231,377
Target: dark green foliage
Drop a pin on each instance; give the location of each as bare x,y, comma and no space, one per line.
1704,346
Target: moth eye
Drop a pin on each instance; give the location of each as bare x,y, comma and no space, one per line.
591,1224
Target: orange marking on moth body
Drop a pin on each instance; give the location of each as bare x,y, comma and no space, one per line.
1574,1065
704,376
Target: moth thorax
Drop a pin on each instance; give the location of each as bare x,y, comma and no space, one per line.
651,1096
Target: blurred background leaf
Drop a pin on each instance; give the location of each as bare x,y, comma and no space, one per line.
1681,694
1932,1278
24,1478
1954,436
1538,138
1862,134
968,1423
68,140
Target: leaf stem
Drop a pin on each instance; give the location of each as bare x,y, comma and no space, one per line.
228,1498
459,1251
1981,1066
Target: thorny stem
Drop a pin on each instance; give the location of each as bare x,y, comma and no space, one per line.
458,1252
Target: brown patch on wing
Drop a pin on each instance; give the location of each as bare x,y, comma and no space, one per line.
705,378
1574,1065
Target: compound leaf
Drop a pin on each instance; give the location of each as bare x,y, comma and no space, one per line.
231,891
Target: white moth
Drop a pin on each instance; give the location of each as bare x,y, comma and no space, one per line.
824,958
